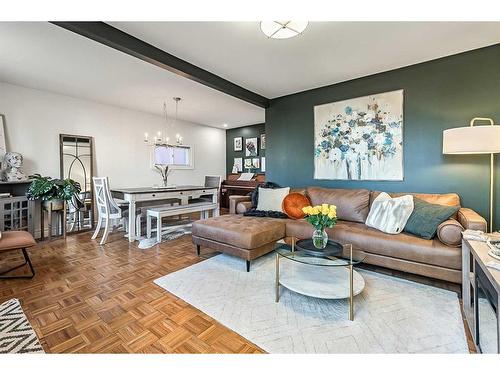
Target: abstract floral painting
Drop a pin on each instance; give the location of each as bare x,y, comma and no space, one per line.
360,138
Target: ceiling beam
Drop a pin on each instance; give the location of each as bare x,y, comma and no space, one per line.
112,37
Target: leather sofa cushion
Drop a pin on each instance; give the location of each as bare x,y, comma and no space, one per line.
352,204
400,246
240,231
450,232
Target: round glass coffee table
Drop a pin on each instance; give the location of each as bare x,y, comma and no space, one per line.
320,276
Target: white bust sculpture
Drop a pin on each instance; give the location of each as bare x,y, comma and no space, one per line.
14,162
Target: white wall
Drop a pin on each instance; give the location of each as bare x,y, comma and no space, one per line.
34,119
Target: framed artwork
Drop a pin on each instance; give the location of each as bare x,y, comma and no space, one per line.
360,138
238,163
263,164
262,141
248,164
256,163
3,148
238,144
251,147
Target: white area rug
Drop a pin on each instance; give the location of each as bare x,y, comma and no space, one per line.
391,315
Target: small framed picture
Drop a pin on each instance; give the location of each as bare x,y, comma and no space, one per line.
238,164
256,163
238,144
248,164
251,147
263,164
262,141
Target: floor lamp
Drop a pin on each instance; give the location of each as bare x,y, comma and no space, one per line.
484,139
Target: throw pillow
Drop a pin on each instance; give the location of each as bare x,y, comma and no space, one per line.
254,195
390,215
449,232
426,217
271,199
293,205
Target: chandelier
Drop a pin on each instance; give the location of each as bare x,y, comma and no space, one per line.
162,137
283,29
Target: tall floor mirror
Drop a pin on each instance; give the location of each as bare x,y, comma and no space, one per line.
76,158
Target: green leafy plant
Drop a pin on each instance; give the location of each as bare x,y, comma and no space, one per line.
47,188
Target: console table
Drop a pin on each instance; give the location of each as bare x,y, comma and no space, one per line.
183,195
481,296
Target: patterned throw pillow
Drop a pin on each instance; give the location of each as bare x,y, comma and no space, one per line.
426,217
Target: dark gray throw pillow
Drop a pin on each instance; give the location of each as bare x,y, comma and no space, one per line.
426,217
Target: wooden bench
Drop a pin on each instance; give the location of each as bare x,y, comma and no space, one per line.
160,212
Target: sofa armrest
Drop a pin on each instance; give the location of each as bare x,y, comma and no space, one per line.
470,219
235,199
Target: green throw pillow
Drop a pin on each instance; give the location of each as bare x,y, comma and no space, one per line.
426,217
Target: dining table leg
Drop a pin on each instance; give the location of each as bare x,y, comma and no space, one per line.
131,221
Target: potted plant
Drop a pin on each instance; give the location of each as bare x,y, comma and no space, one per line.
52,190
321,217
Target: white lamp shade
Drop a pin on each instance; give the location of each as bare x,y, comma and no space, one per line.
472,140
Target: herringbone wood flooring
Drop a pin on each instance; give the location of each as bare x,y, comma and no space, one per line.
87,298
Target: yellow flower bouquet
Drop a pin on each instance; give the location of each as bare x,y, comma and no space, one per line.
321,217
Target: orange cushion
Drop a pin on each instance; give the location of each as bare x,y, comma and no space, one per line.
293,204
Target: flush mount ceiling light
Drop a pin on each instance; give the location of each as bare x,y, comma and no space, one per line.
283,29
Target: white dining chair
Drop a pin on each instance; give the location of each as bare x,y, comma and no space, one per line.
107,208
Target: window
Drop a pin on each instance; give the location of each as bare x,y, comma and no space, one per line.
179,157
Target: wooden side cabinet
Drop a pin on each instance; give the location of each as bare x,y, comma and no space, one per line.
481,296
16,213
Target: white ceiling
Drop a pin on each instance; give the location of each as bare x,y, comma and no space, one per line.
44,56
47,57
326,53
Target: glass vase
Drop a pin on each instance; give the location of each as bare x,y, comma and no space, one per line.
320,239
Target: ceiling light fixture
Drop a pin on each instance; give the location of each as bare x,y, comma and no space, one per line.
162,138
283,29
224,125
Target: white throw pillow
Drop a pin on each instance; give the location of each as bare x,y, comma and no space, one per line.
388,214
271,199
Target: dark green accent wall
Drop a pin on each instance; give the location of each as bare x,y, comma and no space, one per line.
438,94
250,131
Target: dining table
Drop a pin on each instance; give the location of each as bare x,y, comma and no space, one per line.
143,197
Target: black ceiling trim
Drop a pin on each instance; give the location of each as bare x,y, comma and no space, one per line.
108,35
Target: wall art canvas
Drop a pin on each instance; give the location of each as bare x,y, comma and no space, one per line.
262,141
251,147
263,164
3,149
256,163
360,138
238,163
248,164
238,144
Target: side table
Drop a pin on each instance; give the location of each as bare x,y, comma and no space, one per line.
481,296
60,211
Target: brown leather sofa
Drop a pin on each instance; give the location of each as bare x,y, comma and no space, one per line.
403,252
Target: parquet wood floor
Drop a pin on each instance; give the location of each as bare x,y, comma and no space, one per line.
87,298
